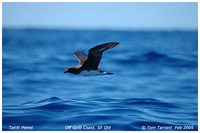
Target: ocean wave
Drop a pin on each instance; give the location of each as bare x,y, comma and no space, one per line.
160,59
128,112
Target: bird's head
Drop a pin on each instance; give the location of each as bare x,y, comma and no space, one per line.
70,70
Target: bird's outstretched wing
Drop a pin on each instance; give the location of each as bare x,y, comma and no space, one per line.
81,57
95,55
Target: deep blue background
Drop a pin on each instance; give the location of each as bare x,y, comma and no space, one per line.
155,81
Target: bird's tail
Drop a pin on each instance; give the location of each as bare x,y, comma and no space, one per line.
104,71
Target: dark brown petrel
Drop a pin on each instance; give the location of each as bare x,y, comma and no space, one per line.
89,66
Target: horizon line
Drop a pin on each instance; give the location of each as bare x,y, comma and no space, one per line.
98,29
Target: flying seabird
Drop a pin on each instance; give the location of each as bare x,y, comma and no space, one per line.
89,66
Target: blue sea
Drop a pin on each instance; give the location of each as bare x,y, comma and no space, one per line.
154,86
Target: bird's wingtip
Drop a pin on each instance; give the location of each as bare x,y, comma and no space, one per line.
115,42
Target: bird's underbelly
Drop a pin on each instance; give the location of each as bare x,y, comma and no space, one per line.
91,73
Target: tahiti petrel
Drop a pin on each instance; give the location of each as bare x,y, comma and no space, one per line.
89,66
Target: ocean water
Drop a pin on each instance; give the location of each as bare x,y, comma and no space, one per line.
154,86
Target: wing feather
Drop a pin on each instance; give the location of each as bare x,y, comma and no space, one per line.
95,55
81,57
